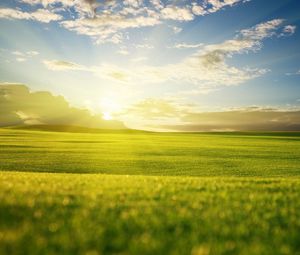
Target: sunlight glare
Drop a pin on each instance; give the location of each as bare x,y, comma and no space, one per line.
109,107
107,116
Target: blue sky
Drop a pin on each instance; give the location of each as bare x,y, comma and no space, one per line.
113,56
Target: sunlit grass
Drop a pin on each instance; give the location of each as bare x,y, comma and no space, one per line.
109,214
229,194
151,153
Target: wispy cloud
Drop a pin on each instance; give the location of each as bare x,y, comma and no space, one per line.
105,71
82,7
144,46
211,6
175,29
19,59
40,15
123,52
288,30
24,56
133,3
177,13
157,4
105,27
187,46
207,68
27,53
294,73
139,59
60,65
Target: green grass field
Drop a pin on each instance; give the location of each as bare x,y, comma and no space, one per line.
149,193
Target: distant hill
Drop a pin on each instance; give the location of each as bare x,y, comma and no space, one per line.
73,129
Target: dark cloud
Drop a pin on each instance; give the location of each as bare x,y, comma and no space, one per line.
19,106
189,118
213,58
153,109
244,120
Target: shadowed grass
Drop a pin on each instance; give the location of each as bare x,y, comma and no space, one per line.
108,214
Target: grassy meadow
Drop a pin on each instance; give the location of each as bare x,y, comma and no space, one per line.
149,193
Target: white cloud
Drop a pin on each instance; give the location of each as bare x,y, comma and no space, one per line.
32,53
123,52
82,7
246,40
294,73
211,6
207,69
177,13
198,9
187,46
23,56
105,26
216,5
176,30
21,59
47,3
262,30
60,65
105,71
114,73
288,30
157,4
133,3
27,53
144,46
18,53
106,21
40,15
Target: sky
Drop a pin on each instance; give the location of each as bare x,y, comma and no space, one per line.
156,65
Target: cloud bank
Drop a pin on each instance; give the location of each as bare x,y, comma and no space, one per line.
19,106
181,117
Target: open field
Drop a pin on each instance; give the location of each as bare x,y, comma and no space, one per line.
245,154
179,194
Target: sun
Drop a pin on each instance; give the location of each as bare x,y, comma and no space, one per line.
108,108
107,116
